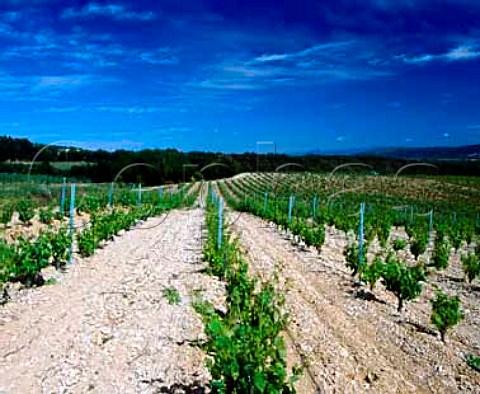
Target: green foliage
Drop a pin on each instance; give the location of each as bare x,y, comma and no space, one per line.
29,259
455,236
7,255
351,254
24,260
247,350
399,244
445,312
60,243
383,232
418,244
441,253
314,236
172,295
25,210
6,214
373,272
86,243
46,215
473,362
404,282
90,204
471,266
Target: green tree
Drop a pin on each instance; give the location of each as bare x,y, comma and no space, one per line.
471,266
25,210
441,253
404,282
373,272
7,213
445,312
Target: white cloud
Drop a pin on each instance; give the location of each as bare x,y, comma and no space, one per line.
63,81
462,52
62,109
115,11
325,47
318,64
159,56
133,110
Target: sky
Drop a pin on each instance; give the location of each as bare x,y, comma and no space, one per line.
235,76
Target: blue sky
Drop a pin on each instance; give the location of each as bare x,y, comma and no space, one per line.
222,75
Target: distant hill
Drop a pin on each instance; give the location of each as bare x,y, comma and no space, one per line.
158,166
456,153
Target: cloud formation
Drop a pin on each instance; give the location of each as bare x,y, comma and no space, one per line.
117,12
460,53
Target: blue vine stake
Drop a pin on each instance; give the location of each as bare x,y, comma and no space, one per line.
110,194
160,192
212,195
220,223
290,208
139,196
72,221
360,235
430,224
62,196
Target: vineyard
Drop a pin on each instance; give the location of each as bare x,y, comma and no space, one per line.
261,283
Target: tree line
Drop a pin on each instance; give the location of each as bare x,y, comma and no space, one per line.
158,166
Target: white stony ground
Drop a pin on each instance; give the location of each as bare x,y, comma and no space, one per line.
106,327
350,345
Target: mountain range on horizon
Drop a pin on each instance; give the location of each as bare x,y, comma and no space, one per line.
463,152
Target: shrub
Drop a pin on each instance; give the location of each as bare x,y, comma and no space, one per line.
418,245
60,243
399,244
383,232
46,216
441,254
473,362
29,259
172,295
7,213
25,211
445,312
373,272
403,281
455,236
7,260
471,266
351,254
86,242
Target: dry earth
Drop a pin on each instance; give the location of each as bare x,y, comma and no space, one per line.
106,327
351,345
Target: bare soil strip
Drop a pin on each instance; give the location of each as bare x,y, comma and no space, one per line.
106,327
353,345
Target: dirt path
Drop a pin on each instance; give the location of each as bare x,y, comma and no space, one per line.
351,345
106,326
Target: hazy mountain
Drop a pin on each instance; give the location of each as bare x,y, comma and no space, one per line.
467,152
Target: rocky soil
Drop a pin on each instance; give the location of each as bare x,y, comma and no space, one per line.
350,340
106,325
